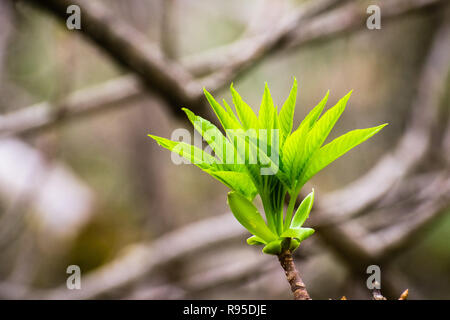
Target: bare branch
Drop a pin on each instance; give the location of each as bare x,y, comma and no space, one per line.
22,121
144,259
385,243
347,240
131,49
141,260
167,29
412,146
233,57
352,17
81,103
298,29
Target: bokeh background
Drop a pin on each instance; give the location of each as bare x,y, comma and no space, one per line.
82,184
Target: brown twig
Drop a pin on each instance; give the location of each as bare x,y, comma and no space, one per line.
404,295
298,287
376,292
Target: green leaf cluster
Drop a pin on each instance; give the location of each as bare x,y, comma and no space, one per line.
264,155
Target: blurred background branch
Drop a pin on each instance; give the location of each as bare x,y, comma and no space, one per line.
234,59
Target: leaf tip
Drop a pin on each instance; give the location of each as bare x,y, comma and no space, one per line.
324,100
155,138
207,94
230,195
381,126
348,95
343,101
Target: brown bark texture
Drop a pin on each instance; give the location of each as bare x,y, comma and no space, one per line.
298,288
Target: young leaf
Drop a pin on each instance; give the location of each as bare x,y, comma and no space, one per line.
212,135
320,131
254,240
292,153
267,110
265,160
237,181
249,217
276,120
293,148
286,116
246,115
245,143
314,114
230,111
301,156
300,233
225,119
303,211
322,128
273,247
191,153
294,244
336,148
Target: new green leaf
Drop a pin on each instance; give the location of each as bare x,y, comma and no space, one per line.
254,240
191,153
267,111
300,233
303,211
261,155
338,147
227,121
286,116
237,181
246,115
320,131
247,215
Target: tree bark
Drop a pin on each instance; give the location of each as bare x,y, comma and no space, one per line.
298,288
